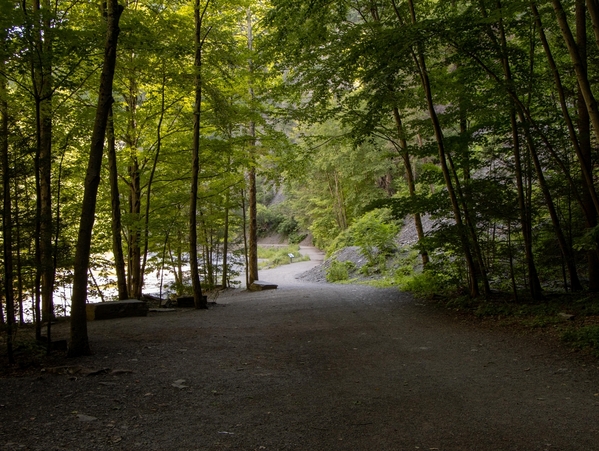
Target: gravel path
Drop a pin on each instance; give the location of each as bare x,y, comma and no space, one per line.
308,366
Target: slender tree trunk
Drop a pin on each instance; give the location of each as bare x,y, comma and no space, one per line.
226,240
589,195
253,232
565,248
134,235
579,65
134,282
420,62
5,166
151,179
193,204
593,7
41,77
253,229
117,242
405,156
525,219
17,224
580,142
245,239
480,266
43,89
8,281
511,260
79,344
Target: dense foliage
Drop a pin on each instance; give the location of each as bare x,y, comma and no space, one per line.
478,116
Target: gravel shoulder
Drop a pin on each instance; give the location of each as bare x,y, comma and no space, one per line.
309,366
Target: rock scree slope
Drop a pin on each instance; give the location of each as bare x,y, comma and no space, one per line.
309,366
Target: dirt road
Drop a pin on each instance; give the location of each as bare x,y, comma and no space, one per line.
306,367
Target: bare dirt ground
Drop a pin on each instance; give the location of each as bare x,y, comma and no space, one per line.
306,367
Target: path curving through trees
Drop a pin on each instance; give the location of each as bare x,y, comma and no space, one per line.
306,367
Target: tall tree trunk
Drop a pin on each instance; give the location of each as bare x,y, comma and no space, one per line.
134,236
253,227
117,242
195,171
565,248
146,232
420,63
580,143
134,183
41,77
43,89
405,156
225,274
480,266
589,195
245,239
17,225
579,66
253,213
525,218
593,7
79,344
6,214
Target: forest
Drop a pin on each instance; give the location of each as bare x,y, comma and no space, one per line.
142,137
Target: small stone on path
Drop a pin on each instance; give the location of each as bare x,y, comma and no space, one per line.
85,418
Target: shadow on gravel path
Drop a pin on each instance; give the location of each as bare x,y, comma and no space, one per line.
307,367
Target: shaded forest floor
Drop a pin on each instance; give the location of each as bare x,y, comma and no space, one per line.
308,366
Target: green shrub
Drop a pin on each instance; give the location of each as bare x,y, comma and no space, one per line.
583,338
375,232
341,241
423,284
338,271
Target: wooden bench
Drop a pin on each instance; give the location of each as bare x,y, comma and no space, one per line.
116,309
260,285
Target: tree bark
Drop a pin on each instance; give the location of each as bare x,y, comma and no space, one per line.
581,142
8,282
41,65
589,195
79,344
579,66
195,166
593,7
405,156
523,202
253,213
253,229
420,62
151,179
134,184
225,278
245,239
117,242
